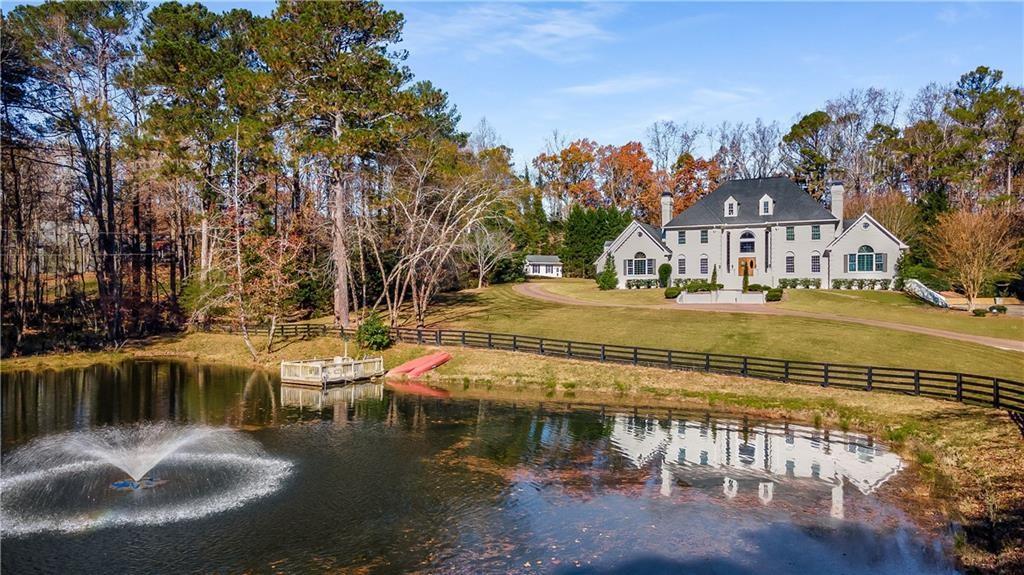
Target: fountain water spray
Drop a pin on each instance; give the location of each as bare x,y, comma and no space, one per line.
63,482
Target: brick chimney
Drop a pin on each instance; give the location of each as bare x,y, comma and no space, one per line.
836,192
666,207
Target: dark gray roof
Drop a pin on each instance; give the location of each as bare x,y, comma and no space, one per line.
543,260
655,233
791,204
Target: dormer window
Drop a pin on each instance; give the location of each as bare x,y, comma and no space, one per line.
730,207
766,206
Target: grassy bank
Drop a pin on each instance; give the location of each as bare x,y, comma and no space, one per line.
968,463
502,309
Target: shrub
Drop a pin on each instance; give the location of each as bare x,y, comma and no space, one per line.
872,284
664,273
774,294
608,278
373,333
860,284
677,282
899,283
980,312
654,283
714,274
837,284
672,292
806,283
630,284
816,283
929,276
755,288
998,308
884,284
783,283
695,285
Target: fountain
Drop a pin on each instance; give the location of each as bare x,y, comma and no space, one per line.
75,481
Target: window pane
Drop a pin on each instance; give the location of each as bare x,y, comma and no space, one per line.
864,262
815,264
790,233
704,266
879,262
790,264
629,267
682,237
703,236
815,232
851,263
650,266
681,266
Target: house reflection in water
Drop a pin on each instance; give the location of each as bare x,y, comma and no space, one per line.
703,453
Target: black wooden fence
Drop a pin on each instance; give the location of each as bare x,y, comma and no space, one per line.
962,387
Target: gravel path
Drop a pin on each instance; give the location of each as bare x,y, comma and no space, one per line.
537,291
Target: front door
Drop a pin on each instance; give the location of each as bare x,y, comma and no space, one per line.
750,264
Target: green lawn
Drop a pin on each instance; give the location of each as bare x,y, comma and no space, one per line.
587,290
500,309
901,308
895,307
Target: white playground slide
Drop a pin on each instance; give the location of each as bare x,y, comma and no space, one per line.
924,292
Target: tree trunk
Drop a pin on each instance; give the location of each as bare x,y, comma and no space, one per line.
340,250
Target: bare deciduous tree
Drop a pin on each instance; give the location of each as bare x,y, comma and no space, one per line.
484,247
975,248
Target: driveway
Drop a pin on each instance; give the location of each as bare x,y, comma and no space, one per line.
537,291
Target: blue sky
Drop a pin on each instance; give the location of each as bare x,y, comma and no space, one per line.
607,71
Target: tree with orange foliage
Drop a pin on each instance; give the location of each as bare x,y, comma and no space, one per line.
627,180
975,248
567,175
692,179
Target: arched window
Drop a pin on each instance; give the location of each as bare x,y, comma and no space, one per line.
703,265
640,265
790,263
747,243
815,263
865,258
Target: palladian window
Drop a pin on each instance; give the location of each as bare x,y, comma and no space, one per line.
640,265
866,260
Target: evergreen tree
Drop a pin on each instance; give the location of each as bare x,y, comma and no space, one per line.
586,231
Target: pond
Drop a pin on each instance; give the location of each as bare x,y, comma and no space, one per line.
164,466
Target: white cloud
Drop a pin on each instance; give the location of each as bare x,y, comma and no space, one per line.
563,33
620,85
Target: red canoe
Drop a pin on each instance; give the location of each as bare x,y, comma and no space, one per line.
420,365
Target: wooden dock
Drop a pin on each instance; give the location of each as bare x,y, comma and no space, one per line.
323,372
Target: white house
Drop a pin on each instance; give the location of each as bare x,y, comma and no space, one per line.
768,226
543,266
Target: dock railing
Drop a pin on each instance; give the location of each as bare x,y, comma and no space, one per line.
973,389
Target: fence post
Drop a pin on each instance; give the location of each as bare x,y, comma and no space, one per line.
463,337
568,349
670,359
960,387
419,335
515,343
437,337
540,346
785,370
744,370
917,382
707,362
871,377
824,382
995,393
602,352
634,356
490,343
